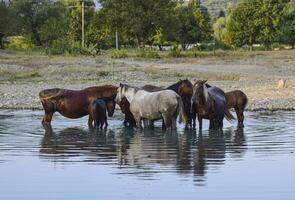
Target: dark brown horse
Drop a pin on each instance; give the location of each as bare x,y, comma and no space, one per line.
125,108
210,103
73,103
184,88
238,100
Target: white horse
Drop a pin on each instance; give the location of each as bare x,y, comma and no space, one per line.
152,106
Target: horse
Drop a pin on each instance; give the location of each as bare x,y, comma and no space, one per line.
99,109
152,106
184,88
238,100
73,103
152,88
125,108
210,103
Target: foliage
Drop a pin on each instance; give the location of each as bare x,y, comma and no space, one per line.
288,35
148,53
137,20
67,47
256,21
175,52
19,43
194,25
119,53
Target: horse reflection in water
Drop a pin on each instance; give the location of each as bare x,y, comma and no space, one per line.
187,153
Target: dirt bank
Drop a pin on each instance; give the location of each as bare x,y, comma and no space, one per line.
23,75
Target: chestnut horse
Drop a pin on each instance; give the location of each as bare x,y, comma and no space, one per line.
210,103
238,100
73,103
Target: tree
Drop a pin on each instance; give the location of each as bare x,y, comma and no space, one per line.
288,30
194,25
242,28
270,19
256,21
9,21
138,20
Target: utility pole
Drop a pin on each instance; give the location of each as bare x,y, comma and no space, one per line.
117,40
82,7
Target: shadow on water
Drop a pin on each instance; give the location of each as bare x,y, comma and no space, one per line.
145,153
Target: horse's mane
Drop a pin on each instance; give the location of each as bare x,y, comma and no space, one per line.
176,85
129,86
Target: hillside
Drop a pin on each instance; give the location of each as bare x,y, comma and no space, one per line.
215,6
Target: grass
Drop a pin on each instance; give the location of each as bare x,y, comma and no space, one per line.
17,66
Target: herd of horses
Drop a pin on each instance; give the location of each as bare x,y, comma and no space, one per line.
142,106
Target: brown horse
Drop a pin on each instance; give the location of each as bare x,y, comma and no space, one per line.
152,88
73,103
125,108
184,88
238,100
210,103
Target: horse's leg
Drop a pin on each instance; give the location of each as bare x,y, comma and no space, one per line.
163,125
106,123
138,121
240,116
46,121
200,123
221,123
211,123
174,123
167,120
90,120
145,123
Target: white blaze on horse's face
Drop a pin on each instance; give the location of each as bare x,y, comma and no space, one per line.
205,90
119,95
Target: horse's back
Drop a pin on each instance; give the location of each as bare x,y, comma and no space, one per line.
217,94
154,103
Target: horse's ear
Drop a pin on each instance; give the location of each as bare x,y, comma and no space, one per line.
121,84
180,80
204,81
195,82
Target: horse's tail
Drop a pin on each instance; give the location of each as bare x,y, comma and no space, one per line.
181,112
50,94
228,115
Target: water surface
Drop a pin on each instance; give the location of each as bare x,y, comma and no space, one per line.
71,162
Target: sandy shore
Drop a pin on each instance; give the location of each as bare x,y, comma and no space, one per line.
258,74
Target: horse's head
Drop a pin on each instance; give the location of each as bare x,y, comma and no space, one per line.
200,91
185,88
124,105
111,105
125,91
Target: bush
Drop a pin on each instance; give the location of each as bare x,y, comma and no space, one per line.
122,53
148,53
175,52
73,48
19,43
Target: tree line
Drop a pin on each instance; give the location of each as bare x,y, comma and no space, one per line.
56,25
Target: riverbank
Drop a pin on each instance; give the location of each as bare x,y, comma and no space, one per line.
258,74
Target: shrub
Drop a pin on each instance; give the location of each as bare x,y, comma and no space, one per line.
19,43
122,53
148,53
74,48
175,52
